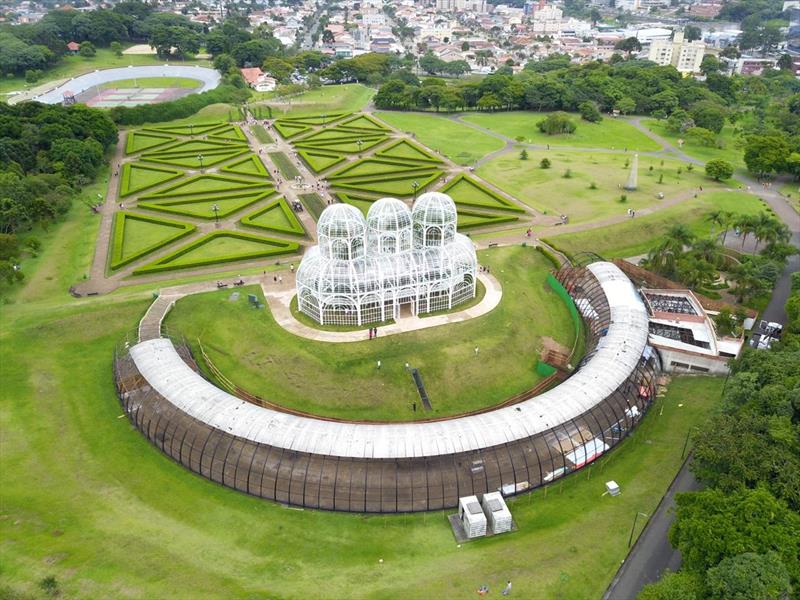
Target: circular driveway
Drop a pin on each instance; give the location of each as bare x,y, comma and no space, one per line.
210,79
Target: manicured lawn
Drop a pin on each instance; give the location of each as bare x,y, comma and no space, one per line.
347,98
458,142
139,235
731,150
608,133
153,82
87,500
72,66
548,191
284,164
637,236
277,363
261,134
313,203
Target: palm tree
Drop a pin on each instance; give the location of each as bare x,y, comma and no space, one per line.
663,257
749,282
695,271
746,225
707,249
770,229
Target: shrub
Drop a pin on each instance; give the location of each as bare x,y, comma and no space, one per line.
545,163
523,155
661,178
556,124
719,169
593,186
590,112
567,174
623,198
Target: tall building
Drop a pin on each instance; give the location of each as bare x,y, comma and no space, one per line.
478,6
684,56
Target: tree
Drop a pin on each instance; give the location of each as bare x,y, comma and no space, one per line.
692,33
674,586
590,112
719,169
709,64
545,163
679,121
730,52
87,49
625,105
116,48
464,46
749,575
709,115
765,154
629,45
785,62
711,526
556,124
328,37
523,155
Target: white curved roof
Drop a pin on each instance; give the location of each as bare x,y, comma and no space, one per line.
617,354
210,79
434,208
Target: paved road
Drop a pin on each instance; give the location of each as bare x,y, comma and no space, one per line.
652,554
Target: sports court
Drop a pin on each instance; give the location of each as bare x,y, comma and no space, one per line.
111,97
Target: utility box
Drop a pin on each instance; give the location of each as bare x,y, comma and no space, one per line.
471,516
496,511
612,488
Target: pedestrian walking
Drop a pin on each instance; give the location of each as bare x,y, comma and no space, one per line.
275,279
291,267
477,350
376,332
507,589
280,279
370,333
379,365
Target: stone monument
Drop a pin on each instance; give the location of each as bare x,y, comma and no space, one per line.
632,183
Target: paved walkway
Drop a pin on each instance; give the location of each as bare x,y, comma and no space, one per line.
279,300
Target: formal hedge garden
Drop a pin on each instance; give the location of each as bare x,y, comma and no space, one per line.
202,207
135,178
318,160
468,192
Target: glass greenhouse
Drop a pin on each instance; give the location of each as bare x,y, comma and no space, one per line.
364,270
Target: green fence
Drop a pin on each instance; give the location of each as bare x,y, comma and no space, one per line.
562,293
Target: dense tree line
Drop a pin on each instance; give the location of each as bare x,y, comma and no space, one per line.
47,154
740,538
765,111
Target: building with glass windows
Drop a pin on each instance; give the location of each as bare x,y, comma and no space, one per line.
367,270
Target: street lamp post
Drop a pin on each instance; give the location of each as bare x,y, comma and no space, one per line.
200,159
323,118
636,516
191,128
359,143
415,185
215,208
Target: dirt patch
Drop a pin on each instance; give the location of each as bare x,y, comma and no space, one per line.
550,345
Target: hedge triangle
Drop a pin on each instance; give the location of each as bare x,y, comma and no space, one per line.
319,161
220,247
407,150
192,129
249,165
137,141
288,130
134,236
203,207
136,177
276,216
466,191
209,184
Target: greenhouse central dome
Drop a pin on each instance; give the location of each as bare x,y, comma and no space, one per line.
365,270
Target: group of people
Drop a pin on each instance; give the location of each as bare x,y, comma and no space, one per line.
631,213
484,589
373,333
484,269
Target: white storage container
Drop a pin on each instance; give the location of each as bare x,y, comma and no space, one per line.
496,511
471,516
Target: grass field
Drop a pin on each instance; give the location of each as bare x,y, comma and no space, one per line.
548,191
87,500
261,134
347,98
637,236
608,133
284,164
72,66
276,363
153,82
458,142
731,150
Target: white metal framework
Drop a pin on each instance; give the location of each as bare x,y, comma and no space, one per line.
364,270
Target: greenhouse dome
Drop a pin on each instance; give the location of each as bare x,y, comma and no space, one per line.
366,270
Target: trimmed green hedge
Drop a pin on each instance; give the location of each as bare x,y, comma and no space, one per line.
224,202
462,179
373,186
231,185
485,219
316,119
385,166
249,165
371,123
132,141
117,260
295,226
320,161
413,152
125,188
275,248
549,256
190,129
290,130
